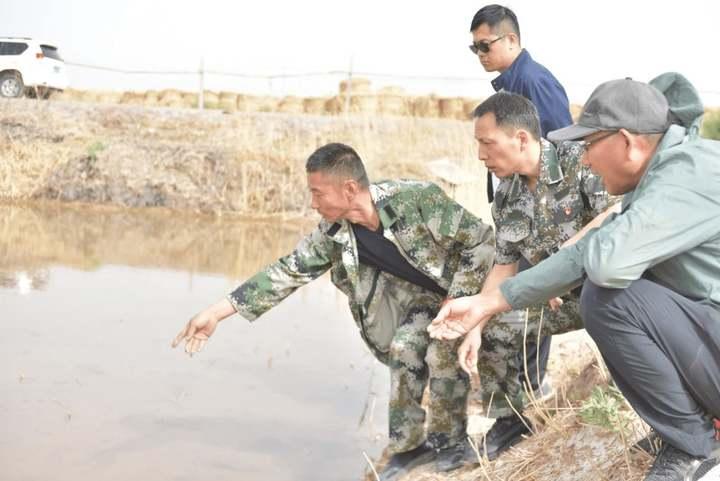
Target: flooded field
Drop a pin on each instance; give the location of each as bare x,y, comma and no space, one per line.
90,389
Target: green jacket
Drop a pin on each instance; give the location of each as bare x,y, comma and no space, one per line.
669,227
435,234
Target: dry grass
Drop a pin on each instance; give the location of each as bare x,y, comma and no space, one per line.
249,163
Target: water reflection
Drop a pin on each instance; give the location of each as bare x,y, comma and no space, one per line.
89,300
85,237
24,281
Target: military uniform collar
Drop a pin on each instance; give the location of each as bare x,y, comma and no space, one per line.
550,170
550,173
383,203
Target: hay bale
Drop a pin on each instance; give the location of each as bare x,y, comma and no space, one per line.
291,104
267,104
169,96
356,86
366,104
108,97
152,98
242,104
210,99
249,103
227,101
132,98
451,107
425,107
469,106
334,105
391,90
393,105
314,105
253,103
190,100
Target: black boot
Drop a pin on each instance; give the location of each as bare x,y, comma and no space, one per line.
450,457
505,433
400,463
673,464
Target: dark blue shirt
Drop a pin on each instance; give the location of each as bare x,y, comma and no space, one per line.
534,82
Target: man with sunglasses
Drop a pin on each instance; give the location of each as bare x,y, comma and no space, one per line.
650,275
496,41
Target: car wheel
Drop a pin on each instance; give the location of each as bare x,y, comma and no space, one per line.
11,85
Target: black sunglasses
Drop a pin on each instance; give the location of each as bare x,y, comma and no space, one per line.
483,45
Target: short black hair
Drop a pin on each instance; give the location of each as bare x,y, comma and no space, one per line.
493,15
511,110
340,160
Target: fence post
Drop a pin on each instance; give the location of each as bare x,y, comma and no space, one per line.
349,88
201,93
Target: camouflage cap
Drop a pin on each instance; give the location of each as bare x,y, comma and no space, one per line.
619,104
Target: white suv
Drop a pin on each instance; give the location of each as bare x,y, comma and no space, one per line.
26,64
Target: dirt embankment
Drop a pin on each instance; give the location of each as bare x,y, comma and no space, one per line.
249,163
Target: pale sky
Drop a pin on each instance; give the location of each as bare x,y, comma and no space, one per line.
582,42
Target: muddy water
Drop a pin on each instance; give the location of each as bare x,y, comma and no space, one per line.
90,389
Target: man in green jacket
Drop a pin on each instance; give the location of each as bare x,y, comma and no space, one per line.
397,249
650,275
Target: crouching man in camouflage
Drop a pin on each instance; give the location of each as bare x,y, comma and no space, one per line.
546,199
397,249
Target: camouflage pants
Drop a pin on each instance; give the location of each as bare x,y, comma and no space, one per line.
416,361
502,371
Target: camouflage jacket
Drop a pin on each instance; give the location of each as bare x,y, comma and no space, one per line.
535,224
435,234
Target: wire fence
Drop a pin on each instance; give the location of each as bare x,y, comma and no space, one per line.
305,83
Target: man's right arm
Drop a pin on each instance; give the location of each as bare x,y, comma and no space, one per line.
553,277
267,288
261,292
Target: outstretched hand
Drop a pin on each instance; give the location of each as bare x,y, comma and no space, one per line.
196,332
458,316
199,329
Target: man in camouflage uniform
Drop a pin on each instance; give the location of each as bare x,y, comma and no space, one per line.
397,249
546,199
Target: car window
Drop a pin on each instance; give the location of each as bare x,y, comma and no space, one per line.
12,48
50,52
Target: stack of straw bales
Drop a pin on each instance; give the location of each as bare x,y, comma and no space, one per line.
291,105
314,105
452,107
355,94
